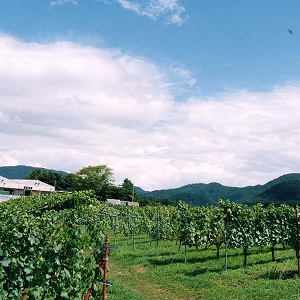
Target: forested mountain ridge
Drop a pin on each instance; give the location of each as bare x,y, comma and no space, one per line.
284,189
21,171
287,192
207,194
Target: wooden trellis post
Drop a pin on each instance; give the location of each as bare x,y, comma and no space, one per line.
103,265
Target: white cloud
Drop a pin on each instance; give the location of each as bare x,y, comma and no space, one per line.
65,106
183,81
172,10
62,2
4,118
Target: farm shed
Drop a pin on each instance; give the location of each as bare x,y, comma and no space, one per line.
12,188
120,202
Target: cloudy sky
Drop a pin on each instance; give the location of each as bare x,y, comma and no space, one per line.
164,92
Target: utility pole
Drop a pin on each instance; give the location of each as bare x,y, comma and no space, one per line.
132,197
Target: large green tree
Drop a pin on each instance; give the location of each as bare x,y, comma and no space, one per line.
47,176
96,178
60,181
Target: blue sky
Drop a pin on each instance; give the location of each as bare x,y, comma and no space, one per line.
223,44
165,92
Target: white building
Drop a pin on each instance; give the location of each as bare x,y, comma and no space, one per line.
13,188
124,203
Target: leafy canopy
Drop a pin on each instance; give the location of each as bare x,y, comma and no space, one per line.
96,178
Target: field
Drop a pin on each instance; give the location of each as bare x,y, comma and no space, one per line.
142,274
47,250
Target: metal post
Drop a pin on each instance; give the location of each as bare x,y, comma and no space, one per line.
132,197
157,237
185,229
297,241
105,262
134,225
115,230
226,243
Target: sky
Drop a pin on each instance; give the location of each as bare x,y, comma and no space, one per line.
163,92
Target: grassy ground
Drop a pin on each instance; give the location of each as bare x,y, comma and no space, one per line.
141,274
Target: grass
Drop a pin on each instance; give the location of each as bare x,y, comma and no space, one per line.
141,274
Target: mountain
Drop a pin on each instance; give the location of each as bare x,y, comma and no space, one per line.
209,194
206,194
287,192
284,189
140,191
21,171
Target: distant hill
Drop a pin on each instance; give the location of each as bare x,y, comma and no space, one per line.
209,194
21,171
283,178
140,191
287,192
284,189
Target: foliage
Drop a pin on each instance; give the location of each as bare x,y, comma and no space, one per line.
63,182
44,249
46,243
283,190
209,194
279,222
124,192
287,192
96,178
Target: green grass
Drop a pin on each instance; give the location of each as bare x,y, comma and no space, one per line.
140,274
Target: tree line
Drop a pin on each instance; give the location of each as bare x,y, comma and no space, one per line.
98,179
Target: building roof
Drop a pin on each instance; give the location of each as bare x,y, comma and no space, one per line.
22,184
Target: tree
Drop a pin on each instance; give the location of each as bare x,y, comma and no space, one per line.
68,182
124,192
60,181
128,191
47,176
96,178
37,174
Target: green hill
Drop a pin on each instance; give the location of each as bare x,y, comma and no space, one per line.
21,171
284,189
287,192
207,194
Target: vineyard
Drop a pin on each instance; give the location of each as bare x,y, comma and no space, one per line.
48,243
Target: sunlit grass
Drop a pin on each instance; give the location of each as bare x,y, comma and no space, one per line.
141,274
